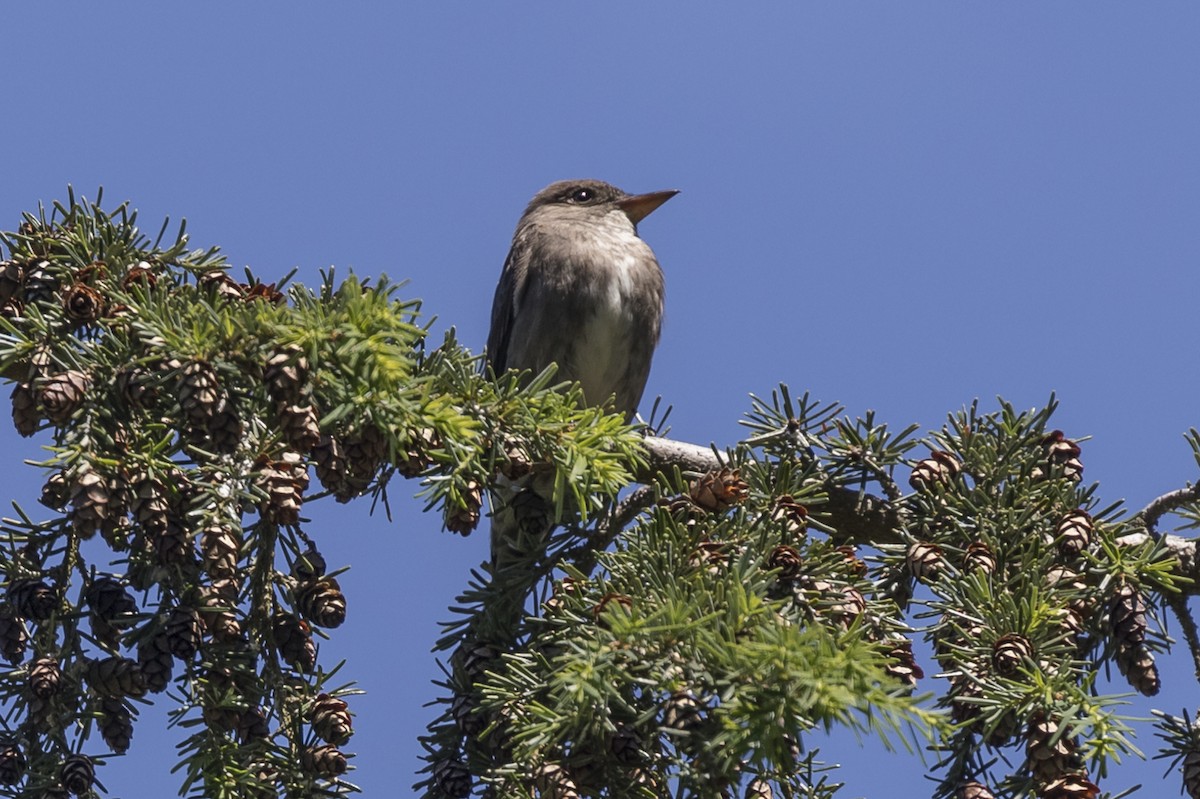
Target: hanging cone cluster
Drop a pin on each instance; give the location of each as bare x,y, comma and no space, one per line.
284,482
116,724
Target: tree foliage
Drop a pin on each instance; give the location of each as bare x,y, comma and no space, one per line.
682,639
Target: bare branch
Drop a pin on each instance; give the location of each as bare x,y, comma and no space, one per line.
1165,504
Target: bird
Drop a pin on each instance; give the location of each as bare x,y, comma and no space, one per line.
580,289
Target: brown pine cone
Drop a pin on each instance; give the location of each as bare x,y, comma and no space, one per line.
1062,458
1070,786
299,426
1074,533
452,778
1191,773
116,724
286,375
219,284
199,393
32,598
330,718
973,790
333,471
62,394
793,515
1049,753
225,431
26,415
626,745
788,561
309,565
284,482
718,491
293,640
184,631
759,789
252,725
924,560
902,665
682,711
324,761
116,676
12,762
13,636
221,545
939,469
322,602
82,304
1136,663
12,280
463,520
77,773
156,661
1010,652
979,555
93,504
45,677
365,450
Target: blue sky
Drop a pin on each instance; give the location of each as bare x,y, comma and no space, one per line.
899,206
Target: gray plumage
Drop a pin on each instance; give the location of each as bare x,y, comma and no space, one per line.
581,290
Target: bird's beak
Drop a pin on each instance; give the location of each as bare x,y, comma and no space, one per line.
639,206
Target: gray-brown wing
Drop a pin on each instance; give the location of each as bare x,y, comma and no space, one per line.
504,305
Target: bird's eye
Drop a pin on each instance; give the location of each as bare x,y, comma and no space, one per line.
582,195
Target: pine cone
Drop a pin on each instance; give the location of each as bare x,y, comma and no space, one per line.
1074,533
1127,616
365,450
1049,753
184,631
286,374
77,774
40,283
252,725
463,520
45,678
116,724
973,790
324,761
310,565
200,393
718,491
13,637
555,782
682,712
156,662
219,284
979,555
625,744
939,469
322,602
329,458
1062,458
25,413
91,502
56,492
924,560
12,763
1010,652
788,561
32,598
330,719
173,544
759,789
149,503
225,433
452,778
415,458
293,640
284,482
713,556
116,676
221,546
140,274
1070,786
299,426
82,304
12,280
793,515
902,664
1191,773
855,565
1136,663
468,721
62,394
